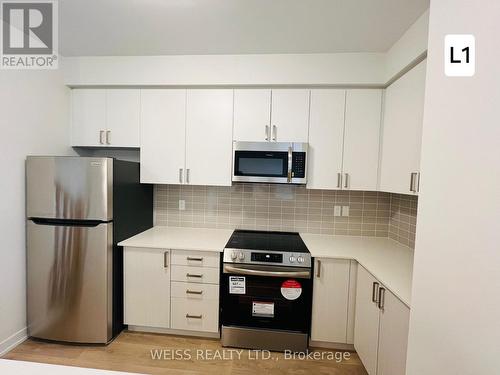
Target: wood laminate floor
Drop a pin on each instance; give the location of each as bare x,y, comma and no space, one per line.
132,352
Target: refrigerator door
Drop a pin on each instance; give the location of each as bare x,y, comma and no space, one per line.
69,270
76,188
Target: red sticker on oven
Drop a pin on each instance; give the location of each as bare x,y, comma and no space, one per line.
291,289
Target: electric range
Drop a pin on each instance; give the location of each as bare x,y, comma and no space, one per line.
266,291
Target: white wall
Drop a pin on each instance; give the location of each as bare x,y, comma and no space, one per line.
455,319
303,69
410,46
34,113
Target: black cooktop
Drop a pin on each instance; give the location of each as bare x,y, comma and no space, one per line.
271,241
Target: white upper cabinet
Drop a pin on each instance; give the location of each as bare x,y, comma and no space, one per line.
252,115
186,136
362,139
402,132
280,115
105,117
290,115
163,136
122,117
209,134
88,117
344,137
326,137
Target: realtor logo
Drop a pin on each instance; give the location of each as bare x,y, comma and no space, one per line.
29,34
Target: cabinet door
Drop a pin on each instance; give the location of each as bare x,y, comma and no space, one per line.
330,300
402,135
146,282
393,336
326,137
209,135
122,117
88,122
290,115
362,139
163,136
366,322
252,115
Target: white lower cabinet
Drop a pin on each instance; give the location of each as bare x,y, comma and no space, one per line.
195,306
146,287
163,290
331,312
381,327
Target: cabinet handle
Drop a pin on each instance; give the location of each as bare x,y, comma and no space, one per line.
413,176
267,133
275,132
101,134
188,316
339,180
195,259
194,275
199,292
108,138
165,259
381,298
318,270
346,185
418,183
375,291
187,175
180,175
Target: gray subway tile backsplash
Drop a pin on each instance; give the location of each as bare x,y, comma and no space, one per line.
287,208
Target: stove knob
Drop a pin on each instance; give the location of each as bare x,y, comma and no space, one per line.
241,255
300,259
292,259
234,255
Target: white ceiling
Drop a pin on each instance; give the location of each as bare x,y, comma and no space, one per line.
167,27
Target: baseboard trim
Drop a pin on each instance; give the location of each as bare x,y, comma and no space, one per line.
14,340
175,332
331,345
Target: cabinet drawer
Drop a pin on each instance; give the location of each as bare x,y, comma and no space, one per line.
195,291
195,258
192,274
195,315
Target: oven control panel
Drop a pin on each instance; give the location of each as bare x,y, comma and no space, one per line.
277,258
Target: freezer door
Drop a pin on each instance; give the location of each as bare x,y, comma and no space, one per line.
69,188
69,282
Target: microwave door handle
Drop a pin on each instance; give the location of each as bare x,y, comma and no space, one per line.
289,174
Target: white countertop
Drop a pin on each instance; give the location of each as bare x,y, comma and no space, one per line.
388,261
8,367
181,239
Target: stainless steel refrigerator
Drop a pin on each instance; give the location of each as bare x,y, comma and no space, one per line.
78,209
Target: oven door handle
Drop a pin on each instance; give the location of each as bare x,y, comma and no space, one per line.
247,271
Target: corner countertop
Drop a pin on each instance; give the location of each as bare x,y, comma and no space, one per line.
181,239
388,261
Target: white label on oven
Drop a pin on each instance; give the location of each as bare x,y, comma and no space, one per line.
264,309
237,285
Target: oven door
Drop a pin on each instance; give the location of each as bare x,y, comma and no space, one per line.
268,297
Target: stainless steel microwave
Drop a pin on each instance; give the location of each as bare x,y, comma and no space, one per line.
271,162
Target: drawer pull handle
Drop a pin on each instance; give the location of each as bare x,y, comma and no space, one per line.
195,259
194,291
193,275
188,316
